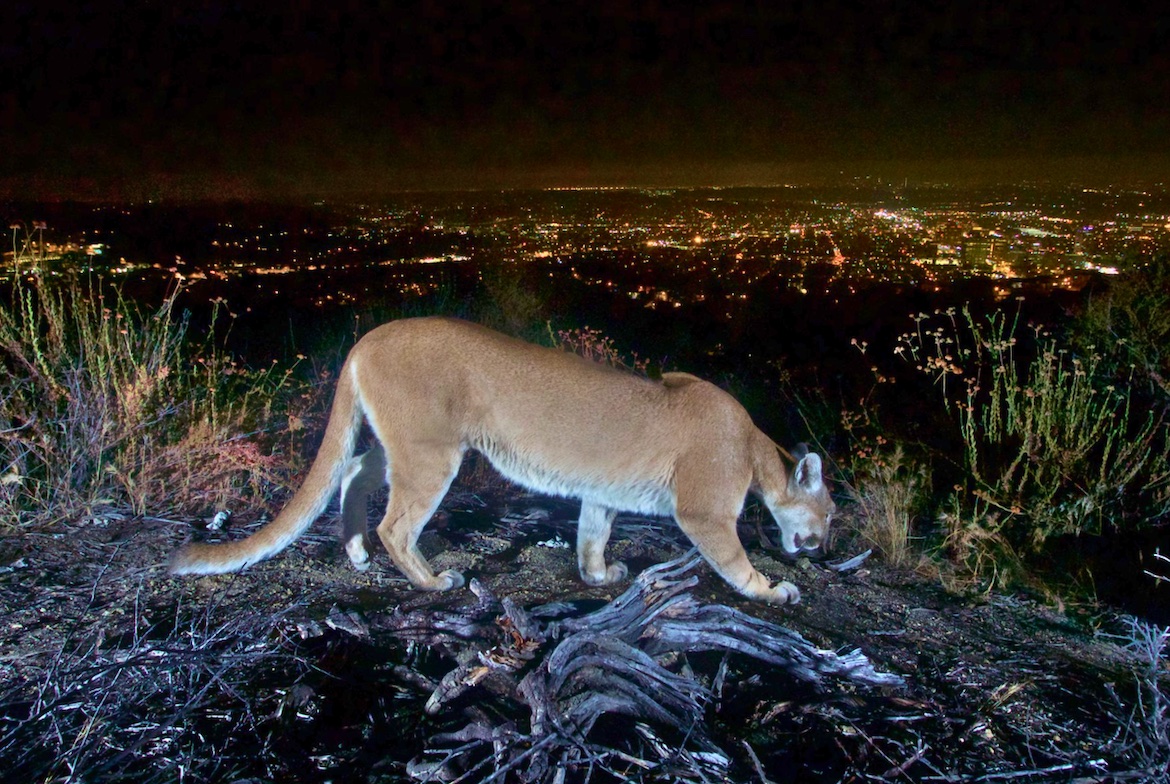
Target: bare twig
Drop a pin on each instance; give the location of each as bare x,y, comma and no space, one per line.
756,763
94,709
1162,578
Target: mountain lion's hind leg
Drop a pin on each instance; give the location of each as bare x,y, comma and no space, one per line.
418,484
363,476
592,534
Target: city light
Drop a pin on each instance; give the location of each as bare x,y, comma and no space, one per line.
654,246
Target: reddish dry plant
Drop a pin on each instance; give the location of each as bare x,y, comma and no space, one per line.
104,404
596,346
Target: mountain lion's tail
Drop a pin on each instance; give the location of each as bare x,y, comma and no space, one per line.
306,505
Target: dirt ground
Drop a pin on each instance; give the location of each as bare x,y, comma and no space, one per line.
293,670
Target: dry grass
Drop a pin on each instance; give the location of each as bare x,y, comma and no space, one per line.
888,492
980,558
889,489
103,403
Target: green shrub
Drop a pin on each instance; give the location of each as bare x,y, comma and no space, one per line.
1133,314
510,302
1052,443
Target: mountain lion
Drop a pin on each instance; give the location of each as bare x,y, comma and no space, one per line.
432,388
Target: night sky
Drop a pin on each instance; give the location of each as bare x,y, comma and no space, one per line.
134,99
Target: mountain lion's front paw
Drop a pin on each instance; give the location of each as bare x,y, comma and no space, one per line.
615,573
785,592
454,580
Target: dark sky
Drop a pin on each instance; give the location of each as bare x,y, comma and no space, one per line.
237,98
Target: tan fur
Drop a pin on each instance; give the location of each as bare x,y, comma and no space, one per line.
432,388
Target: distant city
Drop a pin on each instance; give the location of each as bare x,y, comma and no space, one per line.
647,245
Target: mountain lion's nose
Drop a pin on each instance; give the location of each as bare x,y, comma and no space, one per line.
810,542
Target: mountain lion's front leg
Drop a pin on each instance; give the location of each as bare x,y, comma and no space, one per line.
718,542
592,535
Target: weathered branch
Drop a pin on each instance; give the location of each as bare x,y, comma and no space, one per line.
611,661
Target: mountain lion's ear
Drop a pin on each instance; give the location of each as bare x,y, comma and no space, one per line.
808,473
799,451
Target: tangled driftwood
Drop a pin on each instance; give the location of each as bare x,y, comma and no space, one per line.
624,659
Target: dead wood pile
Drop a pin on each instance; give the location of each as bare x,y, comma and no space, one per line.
571,674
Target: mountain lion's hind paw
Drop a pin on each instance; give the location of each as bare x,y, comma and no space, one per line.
614,573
